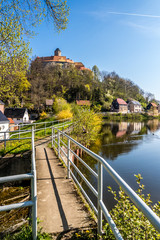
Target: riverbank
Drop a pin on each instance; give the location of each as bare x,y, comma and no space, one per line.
129,116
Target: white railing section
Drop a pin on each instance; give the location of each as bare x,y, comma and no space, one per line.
33,202
8,135
58,143
30,176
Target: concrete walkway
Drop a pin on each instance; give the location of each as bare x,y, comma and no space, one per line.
59,206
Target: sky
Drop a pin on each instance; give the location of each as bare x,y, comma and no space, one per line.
116,35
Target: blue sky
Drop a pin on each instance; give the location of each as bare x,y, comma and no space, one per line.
121,36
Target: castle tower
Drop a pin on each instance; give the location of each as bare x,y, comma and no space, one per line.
57,52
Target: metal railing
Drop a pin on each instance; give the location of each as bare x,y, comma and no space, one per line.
57,144
8,135
30,176
33,202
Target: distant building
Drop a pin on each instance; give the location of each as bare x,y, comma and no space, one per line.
152,109
63,61
19,115
1,106
12,126
4,125
83,102
151,105
134,106
119,105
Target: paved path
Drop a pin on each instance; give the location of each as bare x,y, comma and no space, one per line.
59,206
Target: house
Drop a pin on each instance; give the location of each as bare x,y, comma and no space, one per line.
83,102
134,106
4,125
19,115
151,105
49,104
1,106
119,105
152,108
12,126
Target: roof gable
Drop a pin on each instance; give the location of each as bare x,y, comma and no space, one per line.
154,104
121,101
135,102
14,112
83,102
3,118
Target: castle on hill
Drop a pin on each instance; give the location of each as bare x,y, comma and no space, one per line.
57,59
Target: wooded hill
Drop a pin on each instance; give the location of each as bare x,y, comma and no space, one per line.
73,84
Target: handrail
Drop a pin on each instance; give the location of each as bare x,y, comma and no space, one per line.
33,202
30,176
147,211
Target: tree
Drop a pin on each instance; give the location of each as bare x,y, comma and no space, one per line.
29,13
97,75
14,60
87,125
18,17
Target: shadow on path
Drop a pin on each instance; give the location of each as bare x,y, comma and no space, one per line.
61,211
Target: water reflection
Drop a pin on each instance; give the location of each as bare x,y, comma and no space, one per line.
134,147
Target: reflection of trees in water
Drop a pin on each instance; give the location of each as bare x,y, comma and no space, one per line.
113,145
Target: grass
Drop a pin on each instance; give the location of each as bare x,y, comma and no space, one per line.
129,116
26,234
21,146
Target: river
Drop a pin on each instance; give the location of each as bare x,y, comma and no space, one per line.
130,148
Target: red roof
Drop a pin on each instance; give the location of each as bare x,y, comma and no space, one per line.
154,105
121,101
83,102
11,121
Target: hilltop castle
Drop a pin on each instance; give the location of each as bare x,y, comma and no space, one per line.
57,59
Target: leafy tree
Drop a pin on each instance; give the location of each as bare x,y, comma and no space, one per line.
14,60
87,125
29,13
60,104
96,72
17,18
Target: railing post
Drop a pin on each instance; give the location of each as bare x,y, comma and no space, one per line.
58,138
5,140
62,131
34,191
68,159
45,129
100,196
52,137
19,131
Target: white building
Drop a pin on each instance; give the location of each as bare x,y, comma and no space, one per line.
134,106
4,126
19,115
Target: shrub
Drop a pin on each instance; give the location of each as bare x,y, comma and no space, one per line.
60,104
131,222
43,115
87,126
64,114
